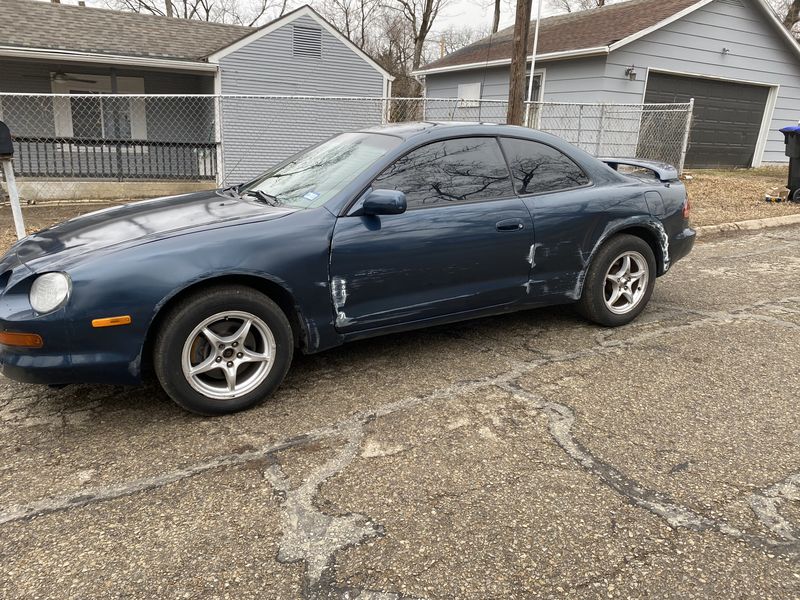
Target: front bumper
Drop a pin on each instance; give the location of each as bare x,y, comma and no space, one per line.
42,367
71,353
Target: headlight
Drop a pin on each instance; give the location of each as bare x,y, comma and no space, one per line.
49,291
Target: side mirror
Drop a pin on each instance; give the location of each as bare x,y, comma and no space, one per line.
384,202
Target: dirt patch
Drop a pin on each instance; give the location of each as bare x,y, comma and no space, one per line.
724,196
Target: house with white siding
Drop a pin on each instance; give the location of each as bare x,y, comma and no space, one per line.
87,55
733,57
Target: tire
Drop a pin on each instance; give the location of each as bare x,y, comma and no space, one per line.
210,363
598,302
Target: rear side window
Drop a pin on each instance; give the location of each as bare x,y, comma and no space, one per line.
537,168
449,172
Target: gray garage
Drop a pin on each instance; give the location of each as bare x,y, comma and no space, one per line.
727,117
734,57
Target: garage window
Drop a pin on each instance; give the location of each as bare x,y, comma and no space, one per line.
470,93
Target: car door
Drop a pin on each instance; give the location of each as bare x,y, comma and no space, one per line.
461,245
567,211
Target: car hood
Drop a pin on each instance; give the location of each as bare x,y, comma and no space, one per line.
140,222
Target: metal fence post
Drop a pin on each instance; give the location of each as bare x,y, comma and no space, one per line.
685,144
13,195
600,129
6,157
220,174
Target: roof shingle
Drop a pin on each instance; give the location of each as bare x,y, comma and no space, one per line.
572,31
31,24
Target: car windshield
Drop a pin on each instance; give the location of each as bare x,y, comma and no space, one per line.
315,176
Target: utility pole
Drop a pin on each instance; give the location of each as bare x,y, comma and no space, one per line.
519,59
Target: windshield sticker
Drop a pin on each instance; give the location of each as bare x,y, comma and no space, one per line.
311,196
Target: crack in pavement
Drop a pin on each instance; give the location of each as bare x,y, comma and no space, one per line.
314,537
561,421
767,505
308,534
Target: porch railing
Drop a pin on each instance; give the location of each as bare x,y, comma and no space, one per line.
94,158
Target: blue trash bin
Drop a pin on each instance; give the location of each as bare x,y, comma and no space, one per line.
791,137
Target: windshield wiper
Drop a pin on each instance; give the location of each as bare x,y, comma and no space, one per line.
263,197
231,191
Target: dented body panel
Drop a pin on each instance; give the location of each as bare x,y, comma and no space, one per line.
347,276
429,263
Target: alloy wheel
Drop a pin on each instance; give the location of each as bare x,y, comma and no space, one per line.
228,355
626,282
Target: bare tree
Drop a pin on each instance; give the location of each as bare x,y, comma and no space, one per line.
394,51
238,12
354,18
790,13
568,6
451,39
420,15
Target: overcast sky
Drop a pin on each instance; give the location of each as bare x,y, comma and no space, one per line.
471,13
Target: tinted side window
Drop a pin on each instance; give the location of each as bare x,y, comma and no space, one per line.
451,171
538,168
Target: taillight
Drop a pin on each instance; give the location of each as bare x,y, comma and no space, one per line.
686,207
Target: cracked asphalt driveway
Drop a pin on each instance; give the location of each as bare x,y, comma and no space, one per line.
530,455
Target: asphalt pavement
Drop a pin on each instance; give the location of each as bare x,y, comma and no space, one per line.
524,456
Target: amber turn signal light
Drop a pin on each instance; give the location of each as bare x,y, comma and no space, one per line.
112,321
21,340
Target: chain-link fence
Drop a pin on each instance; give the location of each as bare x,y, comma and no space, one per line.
260,131
85,146
650,131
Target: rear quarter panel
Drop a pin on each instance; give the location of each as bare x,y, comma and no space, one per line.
571,225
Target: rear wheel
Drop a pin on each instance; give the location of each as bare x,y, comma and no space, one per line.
619,281
223,350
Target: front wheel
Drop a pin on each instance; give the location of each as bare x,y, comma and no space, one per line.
619,281
223,350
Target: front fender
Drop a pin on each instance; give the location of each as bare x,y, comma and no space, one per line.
141,281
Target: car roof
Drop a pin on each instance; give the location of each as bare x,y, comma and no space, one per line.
444,128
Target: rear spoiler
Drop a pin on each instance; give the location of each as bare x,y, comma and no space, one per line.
663,171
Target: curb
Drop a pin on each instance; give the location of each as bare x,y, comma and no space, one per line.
751,225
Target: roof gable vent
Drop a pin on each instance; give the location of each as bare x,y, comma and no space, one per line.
306,41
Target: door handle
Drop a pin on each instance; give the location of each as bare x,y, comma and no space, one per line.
510,225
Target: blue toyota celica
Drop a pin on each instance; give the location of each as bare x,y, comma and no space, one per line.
370,232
